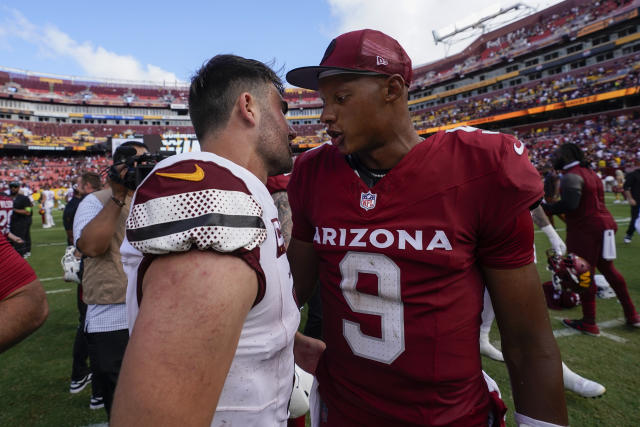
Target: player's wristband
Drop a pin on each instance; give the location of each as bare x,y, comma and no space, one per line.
120,203
524,421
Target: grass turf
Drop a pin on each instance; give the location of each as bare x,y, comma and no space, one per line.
34,375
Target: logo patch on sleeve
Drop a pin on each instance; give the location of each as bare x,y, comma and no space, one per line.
197,175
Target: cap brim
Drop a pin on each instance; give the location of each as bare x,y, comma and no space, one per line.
306,77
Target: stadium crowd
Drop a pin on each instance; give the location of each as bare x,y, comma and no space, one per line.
616,75
58,173
522,38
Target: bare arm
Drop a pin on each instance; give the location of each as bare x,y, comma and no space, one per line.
184,339
23,211
539,217
528,345
629,197
96,235
21,313
281,201
304,268
14,238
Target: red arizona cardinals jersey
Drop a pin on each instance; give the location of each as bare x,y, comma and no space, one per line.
399,266
6,208
278,183
16,271
592,213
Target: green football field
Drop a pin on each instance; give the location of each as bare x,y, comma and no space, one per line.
34,375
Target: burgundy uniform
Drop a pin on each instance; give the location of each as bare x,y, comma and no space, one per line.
399,266
6,208
278,183
15,272
586,224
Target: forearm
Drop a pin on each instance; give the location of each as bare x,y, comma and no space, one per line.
540,219
22,211
21,313
96,235
535,371
303,262
528,345
627,195
284,214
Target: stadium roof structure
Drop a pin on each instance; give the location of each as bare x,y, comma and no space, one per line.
59,78
486,20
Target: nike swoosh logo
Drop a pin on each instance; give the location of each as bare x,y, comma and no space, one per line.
197,175
519,150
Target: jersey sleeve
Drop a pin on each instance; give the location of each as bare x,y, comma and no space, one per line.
505,237
171,214
194,204
16,272
278,183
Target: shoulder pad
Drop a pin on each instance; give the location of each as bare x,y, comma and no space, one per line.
194,204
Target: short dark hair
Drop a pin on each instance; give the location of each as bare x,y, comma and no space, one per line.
93,179
215,87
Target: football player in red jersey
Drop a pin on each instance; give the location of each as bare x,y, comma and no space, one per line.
23,304
403,233
590,233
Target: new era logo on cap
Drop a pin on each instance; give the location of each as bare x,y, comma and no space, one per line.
363,51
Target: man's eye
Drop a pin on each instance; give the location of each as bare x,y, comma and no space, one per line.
340,99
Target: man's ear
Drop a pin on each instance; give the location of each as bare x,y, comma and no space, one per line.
247,106
394,87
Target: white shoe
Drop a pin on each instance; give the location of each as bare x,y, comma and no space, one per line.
582,386
487,349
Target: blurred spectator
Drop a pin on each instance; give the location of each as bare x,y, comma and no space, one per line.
632,192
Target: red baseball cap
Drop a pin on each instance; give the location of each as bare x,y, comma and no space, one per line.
359,52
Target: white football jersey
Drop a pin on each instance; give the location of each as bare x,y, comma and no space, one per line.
49,198
203,200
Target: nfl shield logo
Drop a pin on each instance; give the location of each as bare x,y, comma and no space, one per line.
368,200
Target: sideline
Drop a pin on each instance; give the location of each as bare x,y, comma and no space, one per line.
47,279
57,291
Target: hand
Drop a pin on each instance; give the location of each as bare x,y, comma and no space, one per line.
307,352
118,190
559,246
554,239
632,201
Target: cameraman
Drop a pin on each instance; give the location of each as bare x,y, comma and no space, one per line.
98,231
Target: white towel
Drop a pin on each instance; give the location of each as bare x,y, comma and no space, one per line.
609,245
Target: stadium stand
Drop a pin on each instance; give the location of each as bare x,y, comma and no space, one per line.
566,73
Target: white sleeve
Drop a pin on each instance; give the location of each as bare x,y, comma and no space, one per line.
88,208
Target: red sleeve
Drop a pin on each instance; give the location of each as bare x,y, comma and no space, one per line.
15,272
506,235
511,247
298,192
278,183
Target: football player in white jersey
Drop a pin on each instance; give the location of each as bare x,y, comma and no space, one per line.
47,205
210,297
